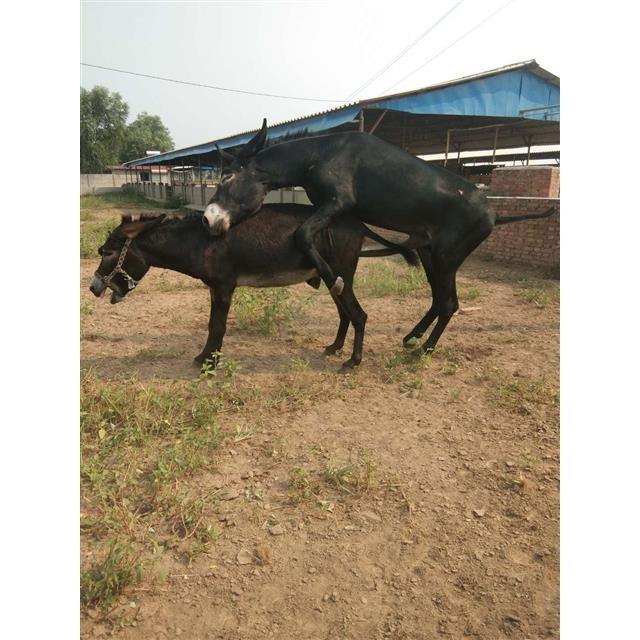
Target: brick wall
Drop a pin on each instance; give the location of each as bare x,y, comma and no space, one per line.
535,242
539,181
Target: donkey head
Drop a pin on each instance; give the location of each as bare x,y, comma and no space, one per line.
240,192
122,265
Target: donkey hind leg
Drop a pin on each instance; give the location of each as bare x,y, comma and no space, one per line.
343,327
424,254
305,240
358,318
449,252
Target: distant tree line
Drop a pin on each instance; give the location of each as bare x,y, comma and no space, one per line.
106,138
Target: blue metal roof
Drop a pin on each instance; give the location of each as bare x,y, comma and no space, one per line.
523,90
508,95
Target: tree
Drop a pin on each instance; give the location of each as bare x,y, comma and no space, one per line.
103,117
145,133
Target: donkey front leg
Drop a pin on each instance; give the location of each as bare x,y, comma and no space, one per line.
220,305
305,240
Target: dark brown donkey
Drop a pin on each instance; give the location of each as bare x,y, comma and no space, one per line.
260,252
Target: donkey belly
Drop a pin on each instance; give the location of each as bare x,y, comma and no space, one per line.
276,279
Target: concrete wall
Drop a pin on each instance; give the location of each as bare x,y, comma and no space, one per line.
99,183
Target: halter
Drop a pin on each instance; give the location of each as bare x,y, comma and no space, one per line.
131,283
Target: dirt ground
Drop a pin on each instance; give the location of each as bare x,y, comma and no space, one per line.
452,530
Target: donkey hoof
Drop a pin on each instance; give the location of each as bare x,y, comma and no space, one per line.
410,341
338,286
331,350
348,366
198,360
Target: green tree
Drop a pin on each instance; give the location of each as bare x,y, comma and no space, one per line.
103,117
145,133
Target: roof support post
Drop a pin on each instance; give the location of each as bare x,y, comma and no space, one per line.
201,185
528,140
495,145
446,149
378,121
361,121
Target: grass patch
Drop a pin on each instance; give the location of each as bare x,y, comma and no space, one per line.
106,580
123,200
469,294
389,277
540,296
518,394
263,311
93,235
138,444
94,229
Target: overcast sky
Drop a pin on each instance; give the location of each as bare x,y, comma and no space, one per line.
316,49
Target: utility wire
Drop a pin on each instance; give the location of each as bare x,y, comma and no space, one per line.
462,37
209,86
389,64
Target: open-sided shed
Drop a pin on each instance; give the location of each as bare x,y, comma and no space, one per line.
511,107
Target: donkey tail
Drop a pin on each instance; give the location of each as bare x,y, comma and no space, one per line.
408,254
528,216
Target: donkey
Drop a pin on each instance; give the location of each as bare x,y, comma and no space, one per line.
260,252
445,216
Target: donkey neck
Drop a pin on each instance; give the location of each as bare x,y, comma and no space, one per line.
285,164
178,246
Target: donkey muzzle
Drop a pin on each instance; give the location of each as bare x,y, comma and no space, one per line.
216,220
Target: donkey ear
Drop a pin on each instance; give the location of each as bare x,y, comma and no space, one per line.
134,229
256,143
225,156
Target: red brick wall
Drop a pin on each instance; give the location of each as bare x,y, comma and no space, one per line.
535,242
540,181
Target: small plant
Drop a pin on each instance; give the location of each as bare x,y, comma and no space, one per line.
299,364
354,477
451,362
299,485
469,294
105,581
535,295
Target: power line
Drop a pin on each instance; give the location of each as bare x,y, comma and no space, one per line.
462,37
209,86
389,64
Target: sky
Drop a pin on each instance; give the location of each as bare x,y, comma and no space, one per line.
313,49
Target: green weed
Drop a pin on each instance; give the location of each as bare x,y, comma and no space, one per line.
539,296
388,277
353,477
105,581
263,311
